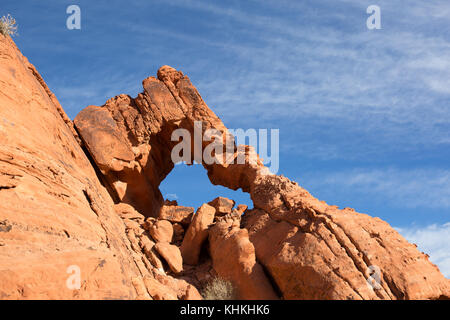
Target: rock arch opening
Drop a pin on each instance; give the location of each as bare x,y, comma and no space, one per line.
131,141
190,186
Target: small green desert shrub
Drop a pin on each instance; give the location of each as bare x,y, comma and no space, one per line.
8,26
219,289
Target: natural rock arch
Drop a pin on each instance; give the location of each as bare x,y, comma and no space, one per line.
130,140
296,237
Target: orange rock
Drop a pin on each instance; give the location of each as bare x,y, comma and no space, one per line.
141,289
58,218
161,231
196,234
192,294
315,251
241,208
327,250
125,211
116,157
178,233
222,205
148,247
159,291
130,224
182,288
171,254
176,214
234,259
170,202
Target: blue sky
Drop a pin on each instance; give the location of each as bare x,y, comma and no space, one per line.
364,115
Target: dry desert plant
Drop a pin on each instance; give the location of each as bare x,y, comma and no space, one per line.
219,289
8,26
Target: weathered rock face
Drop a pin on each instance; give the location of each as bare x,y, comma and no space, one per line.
176,214
149,250
234,259
317,251
55,212
162,231
196,234
56,218
171,254
222,205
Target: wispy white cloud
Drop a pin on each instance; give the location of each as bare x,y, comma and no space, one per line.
437,9
433,240
393,81
287,63
75,94
171,196
423,188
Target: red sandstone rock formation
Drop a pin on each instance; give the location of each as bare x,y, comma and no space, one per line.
196,234
234,259
314,251
176,214
222,205
55,212
171,254
162,231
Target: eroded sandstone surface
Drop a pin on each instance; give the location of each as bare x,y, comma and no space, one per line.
86,194
56,211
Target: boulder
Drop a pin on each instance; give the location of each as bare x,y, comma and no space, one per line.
148,247
321,252
125,211
234,259
183,289
161,231
241,209
176,214
196,234
158,291
222,205
192,294
171,254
